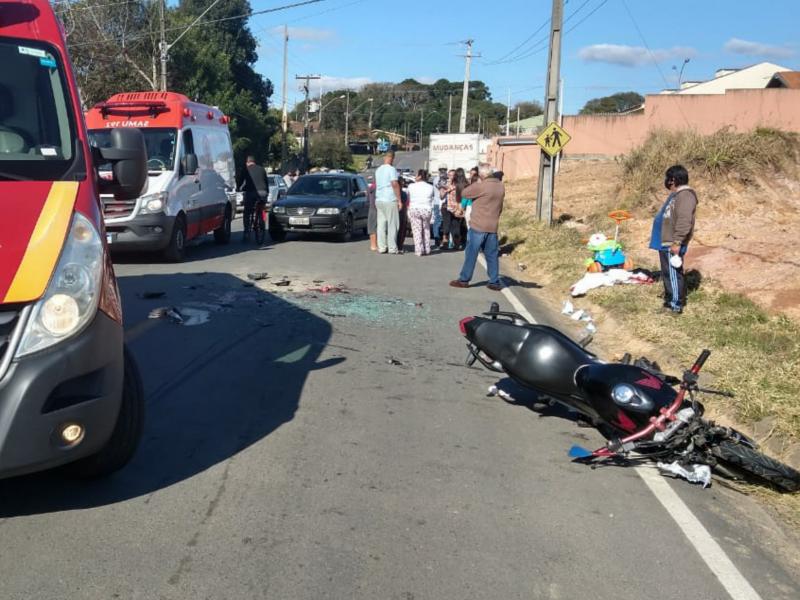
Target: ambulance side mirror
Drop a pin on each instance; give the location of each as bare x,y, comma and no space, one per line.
189,164
128,157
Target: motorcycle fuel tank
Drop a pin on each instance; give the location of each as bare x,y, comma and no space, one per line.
598,381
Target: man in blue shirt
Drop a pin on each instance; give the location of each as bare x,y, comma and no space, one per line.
388,203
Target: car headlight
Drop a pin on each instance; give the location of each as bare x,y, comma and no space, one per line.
279,210
328,211
70,301
628,396
153,203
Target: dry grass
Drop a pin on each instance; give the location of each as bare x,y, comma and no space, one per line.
755,353
724,154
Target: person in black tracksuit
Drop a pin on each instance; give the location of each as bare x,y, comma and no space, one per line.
253,182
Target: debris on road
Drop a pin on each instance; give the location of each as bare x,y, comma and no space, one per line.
180,315
394,362
152,295
257,276
283,282
692,473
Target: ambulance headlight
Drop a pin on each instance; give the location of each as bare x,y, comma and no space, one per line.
153,203
70,301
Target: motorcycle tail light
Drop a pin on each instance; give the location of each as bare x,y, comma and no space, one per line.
462,324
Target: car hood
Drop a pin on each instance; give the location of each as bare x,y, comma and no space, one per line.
312,201
38,214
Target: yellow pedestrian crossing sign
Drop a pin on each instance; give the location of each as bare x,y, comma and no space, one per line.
553,139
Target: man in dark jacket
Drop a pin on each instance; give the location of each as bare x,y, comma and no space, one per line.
253,182
672,230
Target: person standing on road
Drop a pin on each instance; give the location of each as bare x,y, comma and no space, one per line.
439,181
420,206
402,227
673,227
372,215
455,212
487,205
388,203
255,185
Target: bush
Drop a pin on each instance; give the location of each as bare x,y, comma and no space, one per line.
725,153
328,150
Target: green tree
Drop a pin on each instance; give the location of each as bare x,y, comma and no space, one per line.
328,150
619,102
526,109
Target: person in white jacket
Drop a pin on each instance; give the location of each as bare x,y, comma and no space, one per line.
420,209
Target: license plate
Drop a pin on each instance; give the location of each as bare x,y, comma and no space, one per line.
299,221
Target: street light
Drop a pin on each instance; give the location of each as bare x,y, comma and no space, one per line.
347,114
680,74
321,106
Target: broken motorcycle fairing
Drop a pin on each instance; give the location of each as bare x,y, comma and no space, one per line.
646,414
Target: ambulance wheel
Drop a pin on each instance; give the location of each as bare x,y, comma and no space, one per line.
120,448
176,250
222,235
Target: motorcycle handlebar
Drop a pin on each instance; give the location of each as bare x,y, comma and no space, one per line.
701,360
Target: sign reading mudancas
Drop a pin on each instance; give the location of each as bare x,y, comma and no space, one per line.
453,150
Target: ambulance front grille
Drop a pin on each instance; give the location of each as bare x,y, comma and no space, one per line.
9,319
117,209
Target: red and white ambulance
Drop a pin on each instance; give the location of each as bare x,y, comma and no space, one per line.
69,392
191,183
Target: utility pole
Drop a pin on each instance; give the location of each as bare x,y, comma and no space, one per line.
421,124
162,47
347,121
508,113
546,183
462,126
517,121
369,127
306,89
450,112
165,47
284,114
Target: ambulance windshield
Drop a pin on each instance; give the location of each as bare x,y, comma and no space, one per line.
36,124
160,144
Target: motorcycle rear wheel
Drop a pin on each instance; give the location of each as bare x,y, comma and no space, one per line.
754,464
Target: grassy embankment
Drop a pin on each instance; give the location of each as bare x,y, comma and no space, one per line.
755,354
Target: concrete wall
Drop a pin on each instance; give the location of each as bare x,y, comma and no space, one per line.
612,135
516,162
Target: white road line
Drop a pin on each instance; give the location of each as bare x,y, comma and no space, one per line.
709,550
518,306
706,546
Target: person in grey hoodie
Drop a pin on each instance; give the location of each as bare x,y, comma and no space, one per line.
673,227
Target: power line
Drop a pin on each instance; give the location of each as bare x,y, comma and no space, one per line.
544,42
212,21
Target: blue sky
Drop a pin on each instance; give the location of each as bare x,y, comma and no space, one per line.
351,42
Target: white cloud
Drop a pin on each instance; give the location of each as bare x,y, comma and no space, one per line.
339,83
632,56
308,34
737,46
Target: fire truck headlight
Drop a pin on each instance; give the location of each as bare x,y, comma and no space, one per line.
70,301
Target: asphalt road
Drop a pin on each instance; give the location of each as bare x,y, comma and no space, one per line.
304,445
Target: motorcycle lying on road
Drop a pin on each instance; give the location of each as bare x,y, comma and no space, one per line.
643,414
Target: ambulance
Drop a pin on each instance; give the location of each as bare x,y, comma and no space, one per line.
69,391
191,174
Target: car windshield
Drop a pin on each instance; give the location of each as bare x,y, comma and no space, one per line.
320,186
160,146
37,132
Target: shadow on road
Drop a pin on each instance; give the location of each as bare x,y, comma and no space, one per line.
212,389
